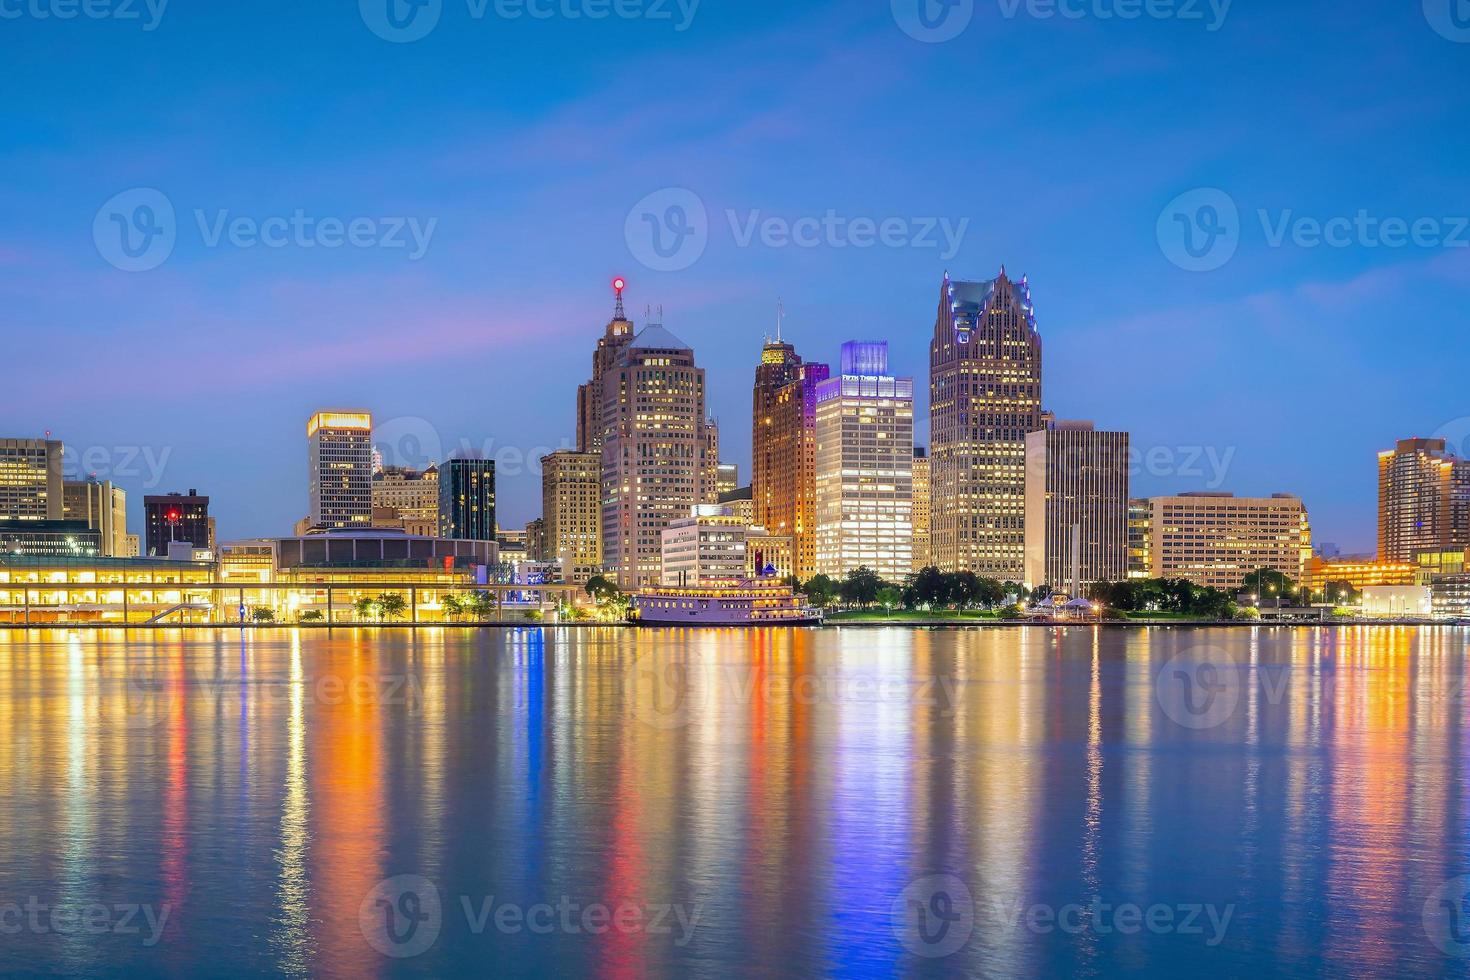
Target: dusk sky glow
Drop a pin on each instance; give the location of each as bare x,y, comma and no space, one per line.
509,152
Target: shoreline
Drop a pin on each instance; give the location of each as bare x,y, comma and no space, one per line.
946,624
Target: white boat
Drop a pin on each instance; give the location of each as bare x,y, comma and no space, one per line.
750,602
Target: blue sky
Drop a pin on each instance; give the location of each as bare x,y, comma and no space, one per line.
519,147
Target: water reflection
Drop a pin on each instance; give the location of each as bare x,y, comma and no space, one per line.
780,790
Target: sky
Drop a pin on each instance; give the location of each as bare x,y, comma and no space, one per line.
1244,225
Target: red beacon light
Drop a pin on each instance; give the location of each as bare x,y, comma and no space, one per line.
620,284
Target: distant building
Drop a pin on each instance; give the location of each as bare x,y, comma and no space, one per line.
513,546
1076,506
536,547
784,472
617,335
132,546
467,499
1359,573
742,501
656,462
984,397
921,509
864,466
1140,538
49,539
1423,500
1217,539
340,470
175,517
1398,601
406,497
31,480
571,506
771,444
727,478
104,507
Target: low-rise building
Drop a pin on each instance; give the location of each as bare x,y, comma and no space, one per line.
1217,539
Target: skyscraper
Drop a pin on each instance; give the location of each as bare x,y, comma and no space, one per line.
618,334
864,466
984,397
31,480
340,474
1423,500
655,455
105,509
571,505
467,499
789,457
175,518
921,509
779,366
1076,506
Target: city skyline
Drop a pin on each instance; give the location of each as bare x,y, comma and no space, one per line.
1278,336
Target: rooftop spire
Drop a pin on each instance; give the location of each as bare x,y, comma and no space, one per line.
780,317
619,284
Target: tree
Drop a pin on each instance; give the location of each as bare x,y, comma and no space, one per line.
1269,585
602,589
312,616
890,597
481,605
366,608
261,614
821,590
1342,594
393,605
453,606
861,587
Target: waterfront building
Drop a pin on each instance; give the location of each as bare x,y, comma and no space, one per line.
1140,538
340,469
1398,602
1450,596
31,480
656,462
714,546
63,539
571,506
1423,500
1076,506
921,509
984,397
104,508
407,498
1217,539
174,518
467,499
1359,572
864,466
617,335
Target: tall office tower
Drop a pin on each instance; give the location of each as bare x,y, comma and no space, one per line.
618,335
175,518
340,457
571,505
864,471
727,478
105,509
31,480
1140,538
467,499
654,451
921,509
984,397
409,498
709,491
780,366
1217,539
1423,500
788,504
1076,506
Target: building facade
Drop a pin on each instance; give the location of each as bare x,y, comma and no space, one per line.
1423,500
467,499
571,506
864,467
921,509
340,470
779,366
31,480
1140,538
103,507
984,397
1217,539
409,498
714,545
617,335
175,518
656,462
785,465
1076,506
